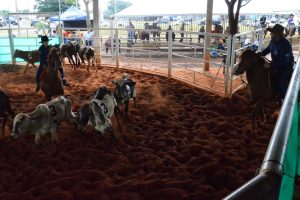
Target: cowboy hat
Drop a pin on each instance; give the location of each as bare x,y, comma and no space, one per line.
277,29
44,39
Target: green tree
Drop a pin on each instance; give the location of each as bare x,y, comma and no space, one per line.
88,22
120,5
53,5
234,16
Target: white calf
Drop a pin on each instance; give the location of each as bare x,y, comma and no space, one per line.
44,119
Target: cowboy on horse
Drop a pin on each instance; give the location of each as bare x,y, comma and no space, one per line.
44,51
282,58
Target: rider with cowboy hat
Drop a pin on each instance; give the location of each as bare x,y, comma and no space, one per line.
44,51
282,58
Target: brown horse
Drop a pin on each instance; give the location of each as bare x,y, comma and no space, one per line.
260,81
51,82
29,56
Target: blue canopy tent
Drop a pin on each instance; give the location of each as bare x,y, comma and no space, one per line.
71,14
72,17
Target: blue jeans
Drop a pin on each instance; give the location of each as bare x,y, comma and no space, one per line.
282,81
88,43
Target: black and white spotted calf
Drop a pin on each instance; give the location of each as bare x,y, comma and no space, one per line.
69,50
98,112
124,91
86,54
5,108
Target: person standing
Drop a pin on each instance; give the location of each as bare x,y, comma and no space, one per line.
131,33
89,38
182,33
167,34
202,30
291,25
262,21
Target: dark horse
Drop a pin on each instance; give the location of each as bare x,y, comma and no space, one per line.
5,108
260,82
69,50
51,82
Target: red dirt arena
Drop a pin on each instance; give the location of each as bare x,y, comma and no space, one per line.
180,142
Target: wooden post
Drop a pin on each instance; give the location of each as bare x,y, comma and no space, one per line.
207,38
96,26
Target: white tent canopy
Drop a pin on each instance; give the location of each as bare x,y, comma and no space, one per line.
198,7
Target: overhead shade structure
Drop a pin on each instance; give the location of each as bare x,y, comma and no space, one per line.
71,14
198,7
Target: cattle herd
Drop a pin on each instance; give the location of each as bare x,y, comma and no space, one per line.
97,112
73,51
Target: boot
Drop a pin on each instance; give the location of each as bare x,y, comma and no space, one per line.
38,87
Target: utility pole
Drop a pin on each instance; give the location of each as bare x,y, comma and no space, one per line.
207,38
96,26
16,4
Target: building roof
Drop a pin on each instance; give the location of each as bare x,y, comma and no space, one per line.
198,7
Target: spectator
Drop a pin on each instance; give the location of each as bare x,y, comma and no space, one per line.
262,21
173,34
182,34
89,38
202,30
107,44
131,33
291,29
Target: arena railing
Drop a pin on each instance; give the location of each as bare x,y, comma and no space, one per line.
280,168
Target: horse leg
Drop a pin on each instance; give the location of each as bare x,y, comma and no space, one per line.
134,102
126,107
34,66
26,67
257,111
71,61
88,67
94,63
4,122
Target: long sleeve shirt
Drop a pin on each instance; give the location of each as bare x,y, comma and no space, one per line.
281,53
44,52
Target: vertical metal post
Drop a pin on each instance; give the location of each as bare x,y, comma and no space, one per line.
207,38
232,63
261,40
117,48
170,41
96,26
228,62
11,39
18,21
59,23
111,36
